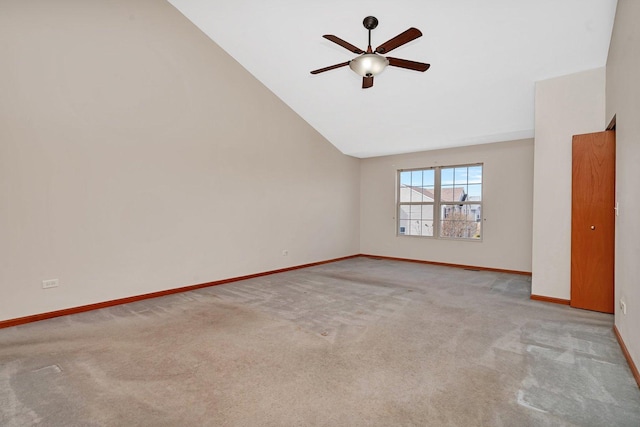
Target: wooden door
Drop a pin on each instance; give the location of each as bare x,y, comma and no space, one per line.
593,221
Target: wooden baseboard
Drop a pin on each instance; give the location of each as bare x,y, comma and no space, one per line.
550,299
444,264
96,306
127,300
627,355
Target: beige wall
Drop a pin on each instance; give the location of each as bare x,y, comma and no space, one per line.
125,136
565,106
623,94
508,179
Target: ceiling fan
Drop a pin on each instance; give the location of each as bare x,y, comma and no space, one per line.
371,62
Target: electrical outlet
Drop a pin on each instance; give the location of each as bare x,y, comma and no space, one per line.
51,283
285,252
623,306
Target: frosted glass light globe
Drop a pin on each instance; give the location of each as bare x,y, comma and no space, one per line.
369,64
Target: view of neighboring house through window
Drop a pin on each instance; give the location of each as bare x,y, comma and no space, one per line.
441,201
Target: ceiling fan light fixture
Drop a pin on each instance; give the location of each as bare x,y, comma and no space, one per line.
369,64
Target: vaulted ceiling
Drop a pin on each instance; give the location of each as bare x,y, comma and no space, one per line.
485,58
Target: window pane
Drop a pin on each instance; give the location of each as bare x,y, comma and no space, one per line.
460,221
428,185
429,178
416,220
426,223
450,193
446,176
416,215
475,192
404,189
417,186
428,194
405,193
405,178
476,211
416,178
463,193
404,212
475,174
415,212
460,175
416,194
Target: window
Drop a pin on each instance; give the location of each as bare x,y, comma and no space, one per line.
443,202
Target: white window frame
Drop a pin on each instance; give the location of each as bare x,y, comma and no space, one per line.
438,204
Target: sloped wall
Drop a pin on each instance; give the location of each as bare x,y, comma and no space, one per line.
137,156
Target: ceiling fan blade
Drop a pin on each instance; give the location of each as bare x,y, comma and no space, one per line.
331,67
367,82
399,40
344,44
410,65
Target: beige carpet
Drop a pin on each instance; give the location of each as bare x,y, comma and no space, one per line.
360,342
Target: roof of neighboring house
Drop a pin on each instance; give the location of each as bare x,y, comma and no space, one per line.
447,194
452,194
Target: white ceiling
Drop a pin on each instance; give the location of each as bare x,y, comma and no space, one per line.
485,58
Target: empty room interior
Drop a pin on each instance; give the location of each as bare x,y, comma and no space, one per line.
200,225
